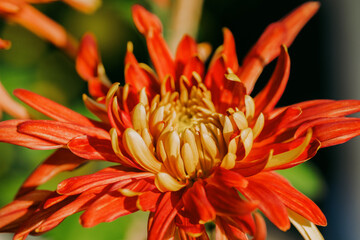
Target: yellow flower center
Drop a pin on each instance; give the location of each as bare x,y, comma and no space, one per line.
180,137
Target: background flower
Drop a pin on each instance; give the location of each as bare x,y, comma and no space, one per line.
52,74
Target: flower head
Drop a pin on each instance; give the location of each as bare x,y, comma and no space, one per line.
190,146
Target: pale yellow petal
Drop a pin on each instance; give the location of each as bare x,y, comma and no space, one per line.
138,117
137,148
283,158
306,228
259,125
165,182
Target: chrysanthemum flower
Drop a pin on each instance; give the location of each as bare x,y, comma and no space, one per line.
190,146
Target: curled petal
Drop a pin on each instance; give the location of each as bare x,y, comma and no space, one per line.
269,96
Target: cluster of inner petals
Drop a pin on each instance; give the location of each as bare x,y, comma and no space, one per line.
180,137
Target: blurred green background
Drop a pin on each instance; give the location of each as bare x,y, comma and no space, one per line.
36,65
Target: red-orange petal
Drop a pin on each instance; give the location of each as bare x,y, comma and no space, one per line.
51,108
13,214
223,177
9,134
145,21
276,34
92,148
107,208
291,197
88,59
229,50
269,96
163,218
226,201
123,175
160,55
269,203
197,206
61,160
147,201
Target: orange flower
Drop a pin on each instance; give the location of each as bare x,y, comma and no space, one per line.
185,142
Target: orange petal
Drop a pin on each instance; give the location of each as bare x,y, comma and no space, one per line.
276,34
13,214
76,185
226,201
291,197
197,205
92,148
229,51
164,215
160,55
148,201
4,44
9,134
269,96
51,108
223,177
145,21
107,208
269,203
60,161
58,132
88,58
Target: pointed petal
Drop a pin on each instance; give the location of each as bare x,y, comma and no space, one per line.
325,108
145,21
61,160
292,198
332,131
229,50
88,59
13,214
58,132
80,203
9,134
276,34
186,50
76,185
269,96
52,109
160,55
